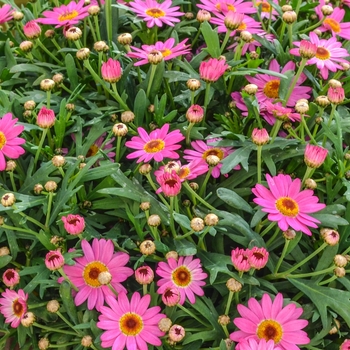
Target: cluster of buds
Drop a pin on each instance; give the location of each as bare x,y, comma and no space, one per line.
245,259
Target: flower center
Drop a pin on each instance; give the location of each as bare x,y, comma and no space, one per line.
91,273
258,256
166,52
2,140
54,257
184,172
287,206
154,146
9,275
73,221
68,16
17,308
92,151
322,53
265,6
270,329
155,13
230,7
242,26
271,88
213,152
333,24
131,324
181,276
171,183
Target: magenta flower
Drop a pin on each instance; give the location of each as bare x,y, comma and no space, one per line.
171,296
98,144
54,260
186,275
46,118
240,259
154,13
10,277
258,257
269,85
210,71
13,305
159,144
144,275
32,30
314,155
73,224
336,94
130,324
9,142
98,258
170,184
223,6
280,112
286,204
65,15
260,136
252,344
269,320
5,13
346,343
167,49
266,8
329,54
111,71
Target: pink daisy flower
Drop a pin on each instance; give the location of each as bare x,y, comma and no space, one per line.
5,13
329,54
96,146
167,49
170,184
211,70
202,150
268,85
185,274
240,259
266,8
314,155
13,305
286,204
252,344
54,260
9,142
223,6
345,345
253,44
280,112
73,224
130,324
98,258
159,144
154,13
269,320
65,15
10,278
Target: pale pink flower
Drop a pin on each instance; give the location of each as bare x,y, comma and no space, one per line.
195,114
260,136
130,324
9,140
240,259
156,14
13,305
170,184
94,148
157,145
280,112
10,277
5,13
223,6
98,257
269,320
167,49
314,155
46,118
252,344
186,275
210,71
346,343
258,257
65,15
176,333
111,71
31,30
144,275
307,49
336,94
73,224
286,204
54,260
171,296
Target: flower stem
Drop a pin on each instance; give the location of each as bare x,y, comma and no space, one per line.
108,10
284,252
200,199
151,77
117,151
49,206
308,173
268,228
148,176
63,274
54,330
65,320
43,136
118,98
227,36
275,129
331,116
172,226
188,133
14,187
200,320
204,184
229,301
290,35
97,28
258,162
270,241
312,274
29,218
48,52
19,229
206,101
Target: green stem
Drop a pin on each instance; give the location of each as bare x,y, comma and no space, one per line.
54,330
308,173
117,151
200,199
268,229
172,225
283,29
331,116
97,28
303,121
14,187
66,321
29,218
316,25
200,320
49,207
92,29
290,35
151,77
270,241
258,161
144,289
329,280
229,301
19,229
188,234
63,274
227,36
108,10
284,252
48,52
118,98
43,136
149,178
48,99
204,184
206,101
275,129
64,345
312,274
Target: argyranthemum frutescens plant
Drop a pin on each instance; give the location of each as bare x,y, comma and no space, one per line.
174,175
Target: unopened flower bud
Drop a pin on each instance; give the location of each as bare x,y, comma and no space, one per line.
29,105
260,136
336,327
193,84
28,319
120,129
147,247
43,344
151,109
101,46
53,306
83,54
194,186
155,57
233,285
339,272
10,165
104,277
289,17
86,341
251,89
58,161
203,15
197,224
286,8
302,106
125,39
144,275
334,83
253,55
340,260
8,199
154,220
145,169
4,251
73,33
289,234
164,324
212,160
26,46
127,117
211,219
94,10
310,184
50,186
70,107
246,36
327,10
322,101
17,15
50,34
58,78
330,236
176,333
144,206
195,114
189,15
224,320
38,188
172,254
47,84
345,66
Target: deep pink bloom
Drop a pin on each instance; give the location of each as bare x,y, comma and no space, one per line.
252,344
280,112
54,260
346,343
32,30
186,275
154,13
253,44
269,320
269,85
258,257
195,114
73,224
239,258
171,296
98,257
46,118
94,148
5,13
159,144
10,277
223,6
130,324
260,136
336,94
170,184
13,305
314,155
167,49
144,275
65,15
286,204
307,49
329,54
9,142
111,71
210,71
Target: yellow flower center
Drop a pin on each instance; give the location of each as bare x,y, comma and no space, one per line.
17,308
335,26
68,16
270,329
181,276
2,140
287,206
154,146
92,151
230,7
271,88
184,172
242,26
322,53
131,324
213,152
265,6
155,13
166,52
91,273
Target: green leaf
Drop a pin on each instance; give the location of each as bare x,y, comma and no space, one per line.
140,106
329,220
68,302
71,71
4,260
211,38
183,220
240,155
285,84
185,248
25,67
324,297
233,199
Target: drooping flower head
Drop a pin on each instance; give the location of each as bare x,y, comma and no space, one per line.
186,275
286,204
314,155
9,142
65,15
130,324
252,344
269,320
157,145
167,49
98,258
156,14
5,13
111,71
13,305
73,224
210,71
